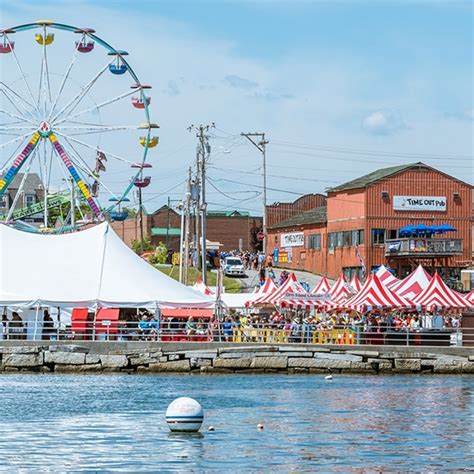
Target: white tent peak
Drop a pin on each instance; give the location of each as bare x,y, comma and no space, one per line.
93,267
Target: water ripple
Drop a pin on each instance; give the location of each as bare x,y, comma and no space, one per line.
88,423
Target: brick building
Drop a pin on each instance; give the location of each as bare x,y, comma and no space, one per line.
231,228
362,219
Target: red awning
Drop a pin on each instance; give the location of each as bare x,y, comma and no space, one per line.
106,320
186,313
79,320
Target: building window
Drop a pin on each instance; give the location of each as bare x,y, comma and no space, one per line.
30,199
378,236
314,241
347,238
331,240
3,201
355,237
361,236
276,239
392,234
339,239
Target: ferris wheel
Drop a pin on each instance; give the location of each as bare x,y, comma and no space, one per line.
74,114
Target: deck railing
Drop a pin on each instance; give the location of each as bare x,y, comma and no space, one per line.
423,246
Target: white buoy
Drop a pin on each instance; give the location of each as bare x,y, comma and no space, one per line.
184,415
259,427
328,377
211,428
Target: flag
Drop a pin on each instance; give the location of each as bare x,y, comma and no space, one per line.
361,261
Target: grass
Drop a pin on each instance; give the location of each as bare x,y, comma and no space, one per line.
231,285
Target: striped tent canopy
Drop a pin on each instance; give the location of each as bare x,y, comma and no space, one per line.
341,290
322,287
202,288
291,286
375,295
470,297
356,284
413,284
437,295
386,277
303,302
267,287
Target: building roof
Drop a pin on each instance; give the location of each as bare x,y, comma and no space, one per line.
373,177
316,215
163,231
31,185
227,213
384,173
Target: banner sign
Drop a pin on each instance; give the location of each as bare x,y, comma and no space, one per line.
419,203
295,239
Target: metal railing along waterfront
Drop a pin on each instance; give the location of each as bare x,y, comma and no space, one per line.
214,331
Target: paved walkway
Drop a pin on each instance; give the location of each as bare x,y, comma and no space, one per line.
249,283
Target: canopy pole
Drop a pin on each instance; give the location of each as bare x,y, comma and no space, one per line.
36,322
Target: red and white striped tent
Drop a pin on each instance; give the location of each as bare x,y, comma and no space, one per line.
470,297
386,277
202,288
306,302
375,295
356,284
267,287
437,295
413,284
322,287
341,290
291,286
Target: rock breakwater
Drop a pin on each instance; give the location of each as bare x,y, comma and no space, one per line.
220,358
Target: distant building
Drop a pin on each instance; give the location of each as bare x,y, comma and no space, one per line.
231,228
31,193
359,225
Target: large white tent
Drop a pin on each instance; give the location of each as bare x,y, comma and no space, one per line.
91,268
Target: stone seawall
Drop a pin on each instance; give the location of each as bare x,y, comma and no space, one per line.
153,357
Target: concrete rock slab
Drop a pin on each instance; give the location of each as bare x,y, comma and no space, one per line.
232,363
407,365
114,361
171,366
22,360
269,363
64,358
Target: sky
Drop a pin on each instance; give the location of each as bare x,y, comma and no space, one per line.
340,88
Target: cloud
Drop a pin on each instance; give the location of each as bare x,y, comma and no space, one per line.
173,88
271,96
467,114
240,82
383,122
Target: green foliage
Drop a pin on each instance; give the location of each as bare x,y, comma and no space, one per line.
160,256
147,245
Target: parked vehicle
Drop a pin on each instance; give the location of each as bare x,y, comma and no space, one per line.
233,266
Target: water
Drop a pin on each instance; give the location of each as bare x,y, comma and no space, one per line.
57,423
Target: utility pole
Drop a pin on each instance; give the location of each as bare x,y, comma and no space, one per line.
187,217
168,223
203,151
181,240
260,145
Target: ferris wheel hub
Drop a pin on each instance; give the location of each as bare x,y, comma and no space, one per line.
44,129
